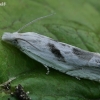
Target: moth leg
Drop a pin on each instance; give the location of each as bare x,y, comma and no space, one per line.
77,78
48,71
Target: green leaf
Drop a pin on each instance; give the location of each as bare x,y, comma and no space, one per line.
76,22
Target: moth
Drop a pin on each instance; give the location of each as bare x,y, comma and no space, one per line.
63,57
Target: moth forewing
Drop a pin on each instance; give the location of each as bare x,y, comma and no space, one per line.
60,56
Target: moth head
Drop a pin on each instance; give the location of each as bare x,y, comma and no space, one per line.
10,38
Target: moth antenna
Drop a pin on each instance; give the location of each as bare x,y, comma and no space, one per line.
34,21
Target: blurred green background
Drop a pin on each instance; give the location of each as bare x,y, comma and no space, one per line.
76,22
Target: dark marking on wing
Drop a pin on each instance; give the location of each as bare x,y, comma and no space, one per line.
53,40
63,44
82,54
15,42
97,60
56,52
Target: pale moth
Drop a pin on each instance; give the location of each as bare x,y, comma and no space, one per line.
66,58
